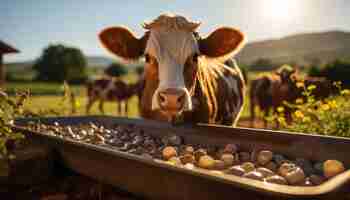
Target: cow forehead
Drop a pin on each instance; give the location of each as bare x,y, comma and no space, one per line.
175,45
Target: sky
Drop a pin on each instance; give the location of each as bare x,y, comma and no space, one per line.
31,25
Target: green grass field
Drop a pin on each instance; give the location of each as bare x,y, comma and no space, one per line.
49,96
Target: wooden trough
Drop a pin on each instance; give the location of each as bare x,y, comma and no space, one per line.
157,180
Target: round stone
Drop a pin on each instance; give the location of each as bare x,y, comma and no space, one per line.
254,175
199,153
285,168
174,161
188,150
228,159
206,162
295,176
248,166
264,157
219,165
235,170
187,158
230,148
332,168
265,172
169,152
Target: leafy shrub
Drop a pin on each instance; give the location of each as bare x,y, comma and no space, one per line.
59,63
116,69
9,109
338,70
330,116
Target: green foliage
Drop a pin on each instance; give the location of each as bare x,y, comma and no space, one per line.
330,116
338,70
314,70
9,109
262,64
59,63
116,69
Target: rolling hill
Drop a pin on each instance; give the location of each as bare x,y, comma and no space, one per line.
302,49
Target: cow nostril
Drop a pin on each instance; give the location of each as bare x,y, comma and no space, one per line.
161,97
180,100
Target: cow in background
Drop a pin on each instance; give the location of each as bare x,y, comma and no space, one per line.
112,89
268,92
185,77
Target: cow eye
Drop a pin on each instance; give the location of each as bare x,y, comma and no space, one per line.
147,58
195,57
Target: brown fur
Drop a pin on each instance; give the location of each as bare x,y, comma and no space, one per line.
217,91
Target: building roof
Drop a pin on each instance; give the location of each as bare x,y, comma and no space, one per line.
5,48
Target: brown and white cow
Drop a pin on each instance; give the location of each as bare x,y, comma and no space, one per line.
112,89
268,92
184,74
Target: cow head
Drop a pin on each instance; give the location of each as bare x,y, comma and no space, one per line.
172,51
287,74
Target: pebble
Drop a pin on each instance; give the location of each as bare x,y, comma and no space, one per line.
264,157
254,175
169,152
332,168
206,162
248,167
235,170
265,172
295,176
228,159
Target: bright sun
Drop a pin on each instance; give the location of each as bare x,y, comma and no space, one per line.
279,9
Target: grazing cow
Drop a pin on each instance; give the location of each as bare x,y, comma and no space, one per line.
185,77
270,91
324,87
109,89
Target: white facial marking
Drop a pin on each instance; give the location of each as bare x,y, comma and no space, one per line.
171,48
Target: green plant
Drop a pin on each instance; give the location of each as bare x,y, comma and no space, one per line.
330,116
59,63
10,109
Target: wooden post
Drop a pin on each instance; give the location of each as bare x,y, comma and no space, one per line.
2,72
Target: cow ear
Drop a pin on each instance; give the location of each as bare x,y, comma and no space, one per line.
121,42
222,42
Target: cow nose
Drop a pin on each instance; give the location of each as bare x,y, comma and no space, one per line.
172,99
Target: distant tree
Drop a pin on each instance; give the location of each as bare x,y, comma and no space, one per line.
116,70
262,64
338,70
58,63
314,70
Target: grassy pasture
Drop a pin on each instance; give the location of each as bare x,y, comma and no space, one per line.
49,96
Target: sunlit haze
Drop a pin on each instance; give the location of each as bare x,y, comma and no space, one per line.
32,25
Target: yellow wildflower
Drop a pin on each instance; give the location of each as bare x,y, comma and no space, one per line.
332,104
345,92
77,104
300,84
325,107
299,114
306,119
311,87
280,109
299,101
281,120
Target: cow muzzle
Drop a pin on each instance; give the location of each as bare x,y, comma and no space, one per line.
173,101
